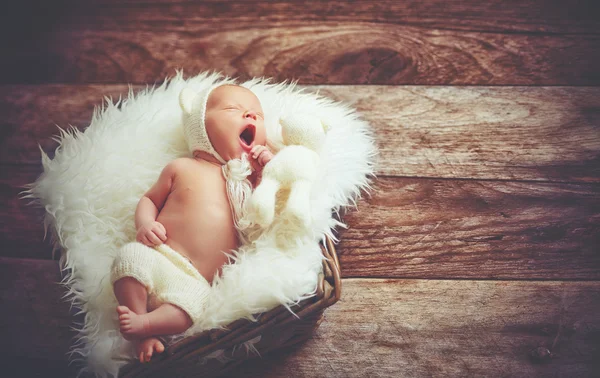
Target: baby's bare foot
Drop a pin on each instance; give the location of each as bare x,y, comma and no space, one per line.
132,325
147,347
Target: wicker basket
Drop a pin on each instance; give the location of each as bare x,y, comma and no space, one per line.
277,329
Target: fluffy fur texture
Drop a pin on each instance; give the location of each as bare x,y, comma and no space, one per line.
92,186
294,168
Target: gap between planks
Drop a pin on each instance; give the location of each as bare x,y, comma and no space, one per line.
431,228
545,134
379,326
311,51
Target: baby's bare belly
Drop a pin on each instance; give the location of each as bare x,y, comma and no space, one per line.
200,229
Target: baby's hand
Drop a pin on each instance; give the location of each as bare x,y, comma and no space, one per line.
152,234
261,154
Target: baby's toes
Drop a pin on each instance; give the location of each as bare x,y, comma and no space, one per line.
148,352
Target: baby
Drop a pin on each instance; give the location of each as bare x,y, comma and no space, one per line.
184,222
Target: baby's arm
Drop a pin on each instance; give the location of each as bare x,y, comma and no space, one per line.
150,232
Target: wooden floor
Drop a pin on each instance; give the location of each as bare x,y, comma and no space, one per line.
478,253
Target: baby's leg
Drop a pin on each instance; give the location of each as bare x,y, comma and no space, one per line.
167,319
133,299
136,323
134,319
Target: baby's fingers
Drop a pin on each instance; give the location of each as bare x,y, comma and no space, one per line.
257,150
144,240
164,230
161,232
256,147
264,157
153,238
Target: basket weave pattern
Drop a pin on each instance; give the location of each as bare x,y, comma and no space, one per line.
277,329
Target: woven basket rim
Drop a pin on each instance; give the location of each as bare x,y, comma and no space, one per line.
241,330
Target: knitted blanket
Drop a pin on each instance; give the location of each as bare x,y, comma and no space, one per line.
90,190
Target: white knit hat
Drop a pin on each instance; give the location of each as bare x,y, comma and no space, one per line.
193,105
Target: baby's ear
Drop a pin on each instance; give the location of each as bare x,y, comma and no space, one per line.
186,99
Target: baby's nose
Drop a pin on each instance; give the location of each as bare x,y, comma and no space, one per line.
250,114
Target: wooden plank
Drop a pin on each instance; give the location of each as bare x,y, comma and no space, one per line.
535,16
423,228
379,328
22,231
31,116
28,367
34,321
473,229
508,133
312,52
416,328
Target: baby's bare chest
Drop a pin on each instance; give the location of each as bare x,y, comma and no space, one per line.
197,197
198,219
197,203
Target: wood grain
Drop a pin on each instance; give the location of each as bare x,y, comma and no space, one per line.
534,16
481,239
312,52
32,115
473,229
508,133
415,328
421,228
379,328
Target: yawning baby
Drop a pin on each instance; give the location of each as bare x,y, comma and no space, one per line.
188,218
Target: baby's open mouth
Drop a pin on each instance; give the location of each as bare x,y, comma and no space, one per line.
247,136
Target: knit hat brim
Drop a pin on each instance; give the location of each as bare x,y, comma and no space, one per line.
193,105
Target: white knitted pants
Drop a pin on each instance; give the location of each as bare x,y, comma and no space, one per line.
168,276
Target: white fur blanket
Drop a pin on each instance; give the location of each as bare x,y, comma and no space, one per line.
92,186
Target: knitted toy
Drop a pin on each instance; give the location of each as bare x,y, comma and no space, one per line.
294,167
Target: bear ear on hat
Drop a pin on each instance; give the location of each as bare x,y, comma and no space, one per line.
186,99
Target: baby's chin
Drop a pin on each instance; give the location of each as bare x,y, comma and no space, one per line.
239,155
239,150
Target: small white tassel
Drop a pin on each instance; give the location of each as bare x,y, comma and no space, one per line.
239,190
